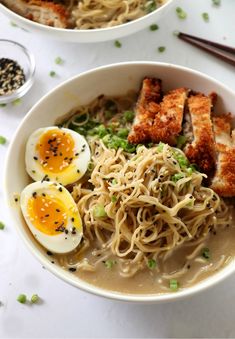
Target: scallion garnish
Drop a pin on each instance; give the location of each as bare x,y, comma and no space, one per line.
151,6
206,253
22,298
205,16
99,211
129,116
174,285
160,146
152,264
2,226
16,102
52,74
153,27
34,299
3,105
59,61
109,263
161,49
3,140
181,13
117,44
181,141
113,198
177,177
216,2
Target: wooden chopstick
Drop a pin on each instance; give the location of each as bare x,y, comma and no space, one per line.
214,48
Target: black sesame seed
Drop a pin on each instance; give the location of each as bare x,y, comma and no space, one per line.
78,171
35,158
34,194
60,189
72,269
49,253
16,199
72,219
57,210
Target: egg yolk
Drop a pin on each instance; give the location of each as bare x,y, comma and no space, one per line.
48,215
56,150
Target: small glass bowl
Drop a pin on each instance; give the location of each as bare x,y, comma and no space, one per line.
15,51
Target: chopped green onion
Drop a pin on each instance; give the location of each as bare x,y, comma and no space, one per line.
2,226
206,253
192,168
114,182
3,140
123,133
59,61
174,285
176,33
90,166
182,160
13,24
129,116
161,49
181,13
177,177
109,263
153,27
22,298
216,2
181,141
151,7
34,298
205,16
117,44
16,102
52,74
99,211
152,264
160,146
113,198
3,105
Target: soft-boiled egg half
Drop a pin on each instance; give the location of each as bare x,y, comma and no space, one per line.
57,154
52,216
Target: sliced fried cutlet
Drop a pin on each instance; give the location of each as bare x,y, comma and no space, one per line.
224,180
43,12
168,122
147,107
201,150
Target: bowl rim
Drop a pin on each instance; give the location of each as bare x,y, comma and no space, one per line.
66,276
85,31
32,67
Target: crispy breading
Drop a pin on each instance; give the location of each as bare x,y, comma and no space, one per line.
202,149
168,122
157,121
43,12
224,180
147,107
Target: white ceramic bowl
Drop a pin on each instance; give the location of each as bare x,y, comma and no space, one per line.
110,80
94,35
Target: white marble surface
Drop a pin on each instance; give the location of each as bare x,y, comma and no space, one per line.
69,312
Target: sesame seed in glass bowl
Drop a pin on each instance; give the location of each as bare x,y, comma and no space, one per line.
17,68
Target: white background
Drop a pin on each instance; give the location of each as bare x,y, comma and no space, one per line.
66,311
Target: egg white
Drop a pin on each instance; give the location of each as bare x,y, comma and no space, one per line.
61,242
69,175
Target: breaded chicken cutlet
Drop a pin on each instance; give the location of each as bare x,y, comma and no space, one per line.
44,12
146,108
224,180
201,146
157,120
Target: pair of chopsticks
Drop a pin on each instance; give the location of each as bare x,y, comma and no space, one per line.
211,47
